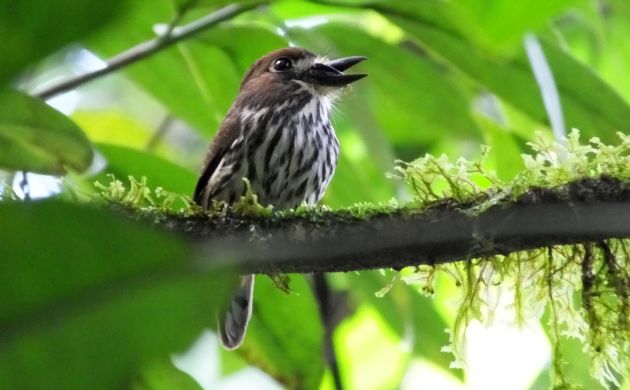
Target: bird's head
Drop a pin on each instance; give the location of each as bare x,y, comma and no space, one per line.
285,70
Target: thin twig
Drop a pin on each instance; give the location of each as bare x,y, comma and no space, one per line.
25,186
148,48
159,134
324,298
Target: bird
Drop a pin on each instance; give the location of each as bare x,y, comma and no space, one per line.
277,135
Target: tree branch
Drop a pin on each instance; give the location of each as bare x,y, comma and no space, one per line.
583,211
148,48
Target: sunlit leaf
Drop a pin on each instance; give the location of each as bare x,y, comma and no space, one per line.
404,309
163,375
88,297
371,357
576,364
357,178
505,151
114,127
36,138
499,26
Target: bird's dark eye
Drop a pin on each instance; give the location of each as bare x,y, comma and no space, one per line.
282,64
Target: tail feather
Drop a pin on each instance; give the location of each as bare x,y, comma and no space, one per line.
233,322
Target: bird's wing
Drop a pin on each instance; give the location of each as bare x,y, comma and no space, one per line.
228,132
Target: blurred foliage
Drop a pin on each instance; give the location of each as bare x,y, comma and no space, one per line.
85,314
34,137
444,77
162,375
31,29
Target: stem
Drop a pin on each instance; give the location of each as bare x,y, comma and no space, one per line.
148,48
159,134
326,309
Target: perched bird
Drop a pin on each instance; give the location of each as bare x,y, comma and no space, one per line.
278,135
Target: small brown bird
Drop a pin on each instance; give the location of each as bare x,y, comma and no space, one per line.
278,135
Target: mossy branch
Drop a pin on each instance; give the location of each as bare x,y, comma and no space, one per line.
583,211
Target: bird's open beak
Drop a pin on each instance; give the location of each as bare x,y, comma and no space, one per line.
331,73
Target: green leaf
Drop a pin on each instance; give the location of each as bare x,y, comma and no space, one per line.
163,375
369,354
30,30
113,126
588,103
88,296
576,364
505,151
499,26
37,138
285,334
357,177
195,82
237,42
123,162
403,308
198,80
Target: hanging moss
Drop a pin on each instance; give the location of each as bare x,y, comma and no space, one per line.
585,288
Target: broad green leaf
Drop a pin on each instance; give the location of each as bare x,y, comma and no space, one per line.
496,26
36,138
370,355
576,366
198,80
505,151
30,30
89,298
588,103
615,51
407,94
357,180
598,37
195,82
300,8
123,162
499,26
285,334
403,309
168,75
237,42
163,375
230,362
111,126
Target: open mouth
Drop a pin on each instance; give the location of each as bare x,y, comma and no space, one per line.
331,73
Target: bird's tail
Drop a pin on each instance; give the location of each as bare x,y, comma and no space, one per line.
233,321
